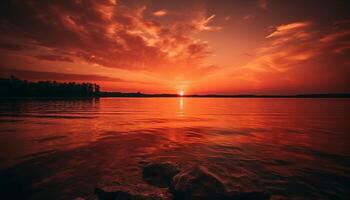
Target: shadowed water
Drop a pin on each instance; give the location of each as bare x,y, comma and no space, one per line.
294,148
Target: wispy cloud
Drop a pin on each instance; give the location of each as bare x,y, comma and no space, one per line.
296,28
108,34
203,24
297,53
160,13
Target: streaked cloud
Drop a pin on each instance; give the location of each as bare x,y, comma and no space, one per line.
160,13
297,28
335,36
290,56
203,24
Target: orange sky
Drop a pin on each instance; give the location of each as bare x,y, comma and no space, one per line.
198,46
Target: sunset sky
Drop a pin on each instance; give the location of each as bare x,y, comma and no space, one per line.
167,46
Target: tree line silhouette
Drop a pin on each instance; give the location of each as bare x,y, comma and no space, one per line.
14,87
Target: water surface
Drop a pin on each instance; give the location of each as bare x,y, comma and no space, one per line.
293,148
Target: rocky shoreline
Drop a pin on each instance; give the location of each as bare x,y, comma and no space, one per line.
194,183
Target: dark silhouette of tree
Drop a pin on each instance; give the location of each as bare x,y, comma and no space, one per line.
14,87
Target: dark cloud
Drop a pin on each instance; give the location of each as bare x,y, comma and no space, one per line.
11,46
51,57
36,75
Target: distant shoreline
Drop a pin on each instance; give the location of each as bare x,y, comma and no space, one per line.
330,95
141,95
13,88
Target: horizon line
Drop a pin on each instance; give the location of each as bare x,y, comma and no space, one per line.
300,95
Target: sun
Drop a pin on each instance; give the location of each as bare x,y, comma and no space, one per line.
181,93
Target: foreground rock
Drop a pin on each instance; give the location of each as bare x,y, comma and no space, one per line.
159,174
129,193
196,183
199,183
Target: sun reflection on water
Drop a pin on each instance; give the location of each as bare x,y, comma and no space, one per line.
181,107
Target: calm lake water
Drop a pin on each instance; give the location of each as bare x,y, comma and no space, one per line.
295,148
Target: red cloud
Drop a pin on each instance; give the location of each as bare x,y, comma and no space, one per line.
106,33
297,56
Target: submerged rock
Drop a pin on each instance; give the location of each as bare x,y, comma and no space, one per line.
129,193
159,174
254,195
79,198
198,183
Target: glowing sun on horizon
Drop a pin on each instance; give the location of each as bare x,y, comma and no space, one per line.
181,93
